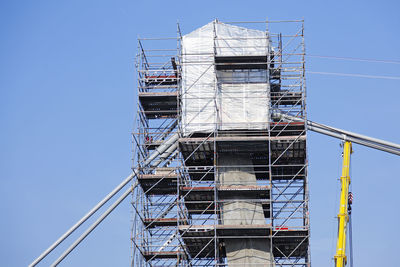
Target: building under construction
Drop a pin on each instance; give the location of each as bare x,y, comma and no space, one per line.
223,182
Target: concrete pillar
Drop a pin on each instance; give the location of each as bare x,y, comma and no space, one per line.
236,210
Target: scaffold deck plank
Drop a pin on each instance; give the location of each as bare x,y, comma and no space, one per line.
159,184
151,255
163,222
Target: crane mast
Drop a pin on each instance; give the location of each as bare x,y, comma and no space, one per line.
343,216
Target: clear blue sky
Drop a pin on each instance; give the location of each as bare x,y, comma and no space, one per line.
68,97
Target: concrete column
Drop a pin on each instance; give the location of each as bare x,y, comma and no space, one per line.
236,210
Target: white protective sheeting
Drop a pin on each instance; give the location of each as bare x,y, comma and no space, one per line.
208,103
243,106
238,41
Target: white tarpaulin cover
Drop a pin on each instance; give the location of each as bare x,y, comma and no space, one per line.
243,106
208,103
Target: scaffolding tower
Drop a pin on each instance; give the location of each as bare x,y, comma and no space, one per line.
224,179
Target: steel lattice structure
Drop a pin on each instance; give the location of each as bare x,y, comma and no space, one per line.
178,209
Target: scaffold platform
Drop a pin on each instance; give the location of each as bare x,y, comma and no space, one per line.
159,104
159,183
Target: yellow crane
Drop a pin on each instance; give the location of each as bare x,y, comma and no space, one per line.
343,215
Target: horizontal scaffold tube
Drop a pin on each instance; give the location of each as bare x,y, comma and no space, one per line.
343,134
163,151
